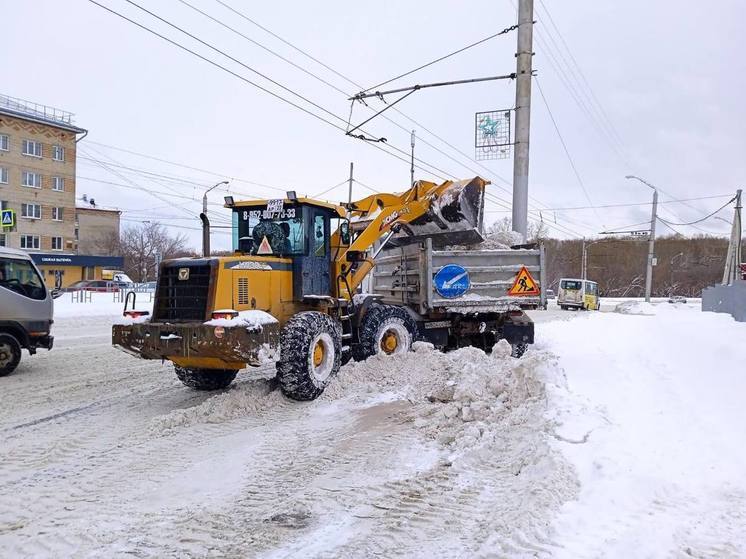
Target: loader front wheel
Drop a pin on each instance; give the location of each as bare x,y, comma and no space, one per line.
310,354
205,379
385,329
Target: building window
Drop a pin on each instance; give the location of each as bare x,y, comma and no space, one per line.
58,153
4,142
3,240
56,243
57,214
30,242
31,148
32,211
3,175
58,184
31,179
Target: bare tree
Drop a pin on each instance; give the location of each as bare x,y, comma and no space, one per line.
503,229
144,245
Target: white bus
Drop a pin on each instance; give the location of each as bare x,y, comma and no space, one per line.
578,294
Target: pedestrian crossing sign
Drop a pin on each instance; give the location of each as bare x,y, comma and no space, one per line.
8,218
524,284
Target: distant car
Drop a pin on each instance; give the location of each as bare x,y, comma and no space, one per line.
550,293
677,299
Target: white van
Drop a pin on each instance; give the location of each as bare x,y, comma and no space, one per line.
25,309
578,294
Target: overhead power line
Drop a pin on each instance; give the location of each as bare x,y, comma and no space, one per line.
462,49
428,167
419,125
567,152
701,219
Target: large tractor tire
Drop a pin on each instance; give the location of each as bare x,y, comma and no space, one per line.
310,355
205,379
10,354
385,329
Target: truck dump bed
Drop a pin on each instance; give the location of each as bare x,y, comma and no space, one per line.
407,275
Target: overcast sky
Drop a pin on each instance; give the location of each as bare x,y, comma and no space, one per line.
662,80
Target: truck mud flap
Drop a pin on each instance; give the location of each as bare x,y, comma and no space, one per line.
233,345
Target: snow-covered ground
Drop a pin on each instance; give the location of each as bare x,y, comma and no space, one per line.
617,435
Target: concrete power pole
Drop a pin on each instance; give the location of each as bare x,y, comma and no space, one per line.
651,242
651,248
524,57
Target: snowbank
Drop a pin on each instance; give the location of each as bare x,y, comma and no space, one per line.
101,304
251,319
653,425
636,307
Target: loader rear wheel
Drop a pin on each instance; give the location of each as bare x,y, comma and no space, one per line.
310,354
205,379
386,330
10,354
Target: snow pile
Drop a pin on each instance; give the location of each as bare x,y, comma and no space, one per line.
636,307
241,400
498,240
653,424
251,319
101,304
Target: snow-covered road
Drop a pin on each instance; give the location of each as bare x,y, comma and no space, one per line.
420,455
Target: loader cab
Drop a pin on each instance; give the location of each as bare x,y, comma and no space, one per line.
298,229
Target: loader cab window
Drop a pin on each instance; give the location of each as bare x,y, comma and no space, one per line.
318,242
269,231
21,277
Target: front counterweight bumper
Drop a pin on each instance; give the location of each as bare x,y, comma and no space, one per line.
234,345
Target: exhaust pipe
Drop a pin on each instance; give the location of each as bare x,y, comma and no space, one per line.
205,235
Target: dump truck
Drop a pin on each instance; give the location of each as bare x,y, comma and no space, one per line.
291,292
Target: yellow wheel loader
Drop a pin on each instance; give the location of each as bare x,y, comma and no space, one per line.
291,292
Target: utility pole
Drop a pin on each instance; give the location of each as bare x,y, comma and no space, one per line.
411,171
651,242
732,270
584,265
524,57
349,193
651,247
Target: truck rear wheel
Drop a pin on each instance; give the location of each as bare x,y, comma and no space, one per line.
10,354
518,349
310,354
205,379
385,329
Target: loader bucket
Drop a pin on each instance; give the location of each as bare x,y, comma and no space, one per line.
455,217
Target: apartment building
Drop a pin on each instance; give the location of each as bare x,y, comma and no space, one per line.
37,182
97,227
37,175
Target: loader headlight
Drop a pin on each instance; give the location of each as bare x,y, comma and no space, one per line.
136,314
228,314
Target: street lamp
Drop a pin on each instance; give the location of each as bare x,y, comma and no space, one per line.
204,198
651,242
584,261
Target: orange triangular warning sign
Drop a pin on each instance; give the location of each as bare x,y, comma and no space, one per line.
524,284
264,247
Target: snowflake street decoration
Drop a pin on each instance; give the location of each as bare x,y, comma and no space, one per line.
492,135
